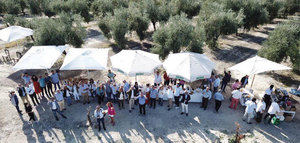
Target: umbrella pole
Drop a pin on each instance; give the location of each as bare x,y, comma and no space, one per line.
135,78
252,80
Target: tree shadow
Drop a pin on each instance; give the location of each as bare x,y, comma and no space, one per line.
251,38
235,54
285,79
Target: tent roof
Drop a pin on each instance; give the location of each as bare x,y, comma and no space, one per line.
14,33
85,59
39,57
135,62
188,66
257,65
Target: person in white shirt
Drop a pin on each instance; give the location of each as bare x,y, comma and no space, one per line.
76,92
54,106
250,109
268,96
236,96
85,90
30,91
177,91
68,95
121,98
273,110
131,97
99,115
206,96
157,78
261,107
170,97
161,95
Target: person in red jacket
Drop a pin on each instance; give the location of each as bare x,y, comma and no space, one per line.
166,79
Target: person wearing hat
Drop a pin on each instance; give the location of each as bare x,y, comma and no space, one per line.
54,106
99,115
185,98
153,96
15,101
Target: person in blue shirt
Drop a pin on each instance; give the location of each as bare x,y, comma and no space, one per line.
153,96
218,100
111,76
55,79
43,86
206,96
142,103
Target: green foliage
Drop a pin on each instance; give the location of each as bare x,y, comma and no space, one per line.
103,24
289,7
176,35
21,22
34,7
9,19
253,10
137,21
47,9
65,30
23,5
119,26
2,6
103,7
272,6
190,7
80,7
283,43
12,7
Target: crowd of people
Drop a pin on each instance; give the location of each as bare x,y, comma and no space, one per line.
74,91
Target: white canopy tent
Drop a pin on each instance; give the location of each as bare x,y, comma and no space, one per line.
85,59
135,62
14,33
188,66
40,57
256,65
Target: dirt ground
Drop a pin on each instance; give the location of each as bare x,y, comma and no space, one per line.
159,125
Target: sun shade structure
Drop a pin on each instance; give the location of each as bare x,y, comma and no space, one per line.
257,65
188,66
85,59
14,33
135,62
40,57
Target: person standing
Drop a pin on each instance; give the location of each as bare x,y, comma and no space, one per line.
76,92
68,95
99,115
26,78
121,97
130,93
153,96
216,83
170,97
261,107
85,92
60,100
30,91
244,81
268,96
177,91
108,90
114,88
111,112
15,101
161,95
43,86
111,76
157,78
100,94
166,79
23,94
273,110
36,85
206,96
225,80
142,103
54,106
236,96
218,100
55,79
250,110
48,82
185,98
29,111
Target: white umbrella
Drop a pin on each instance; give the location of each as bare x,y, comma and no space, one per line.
40,57
85,59
188,66
257,65
135,62
14,33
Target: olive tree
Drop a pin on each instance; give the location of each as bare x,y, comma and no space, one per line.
137,21
9,19
12,7
283,43
190,7
35,7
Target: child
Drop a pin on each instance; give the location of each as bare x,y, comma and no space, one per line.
111,112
